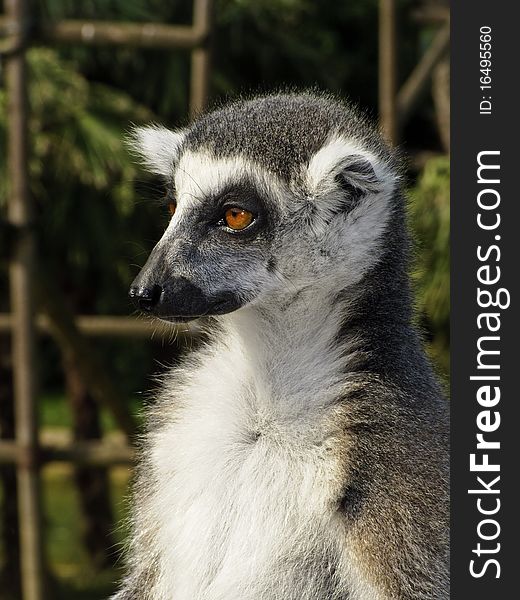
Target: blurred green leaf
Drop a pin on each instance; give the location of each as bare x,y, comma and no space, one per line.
430,221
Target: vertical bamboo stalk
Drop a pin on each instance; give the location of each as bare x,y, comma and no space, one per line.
388,70
10,524
200,58
21,271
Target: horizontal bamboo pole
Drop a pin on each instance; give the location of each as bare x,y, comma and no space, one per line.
431,15
115,326
84,453
113,33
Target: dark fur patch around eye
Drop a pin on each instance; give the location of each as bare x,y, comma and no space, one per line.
242,193
169,194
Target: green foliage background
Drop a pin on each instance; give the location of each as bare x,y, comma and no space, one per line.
95,221
429,211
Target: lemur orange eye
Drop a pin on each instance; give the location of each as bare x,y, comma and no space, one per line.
237,218
172,207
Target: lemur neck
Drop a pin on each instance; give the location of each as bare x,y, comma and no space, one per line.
302,350
294,349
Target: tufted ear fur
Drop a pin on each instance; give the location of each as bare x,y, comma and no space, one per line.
157,147
341,174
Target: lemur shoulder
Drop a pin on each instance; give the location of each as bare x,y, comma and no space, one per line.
301,453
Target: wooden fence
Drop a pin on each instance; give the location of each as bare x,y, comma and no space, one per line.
25,287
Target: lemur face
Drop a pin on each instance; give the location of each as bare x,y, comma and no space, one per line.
247,227
217,251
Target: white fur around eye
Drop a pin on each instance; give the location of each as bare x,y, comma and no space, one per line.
200,174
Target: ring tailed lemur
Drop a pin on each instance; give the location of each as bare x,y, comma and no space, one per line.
301,453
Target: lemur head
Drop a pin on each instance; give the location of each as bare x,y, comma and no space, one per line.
268,196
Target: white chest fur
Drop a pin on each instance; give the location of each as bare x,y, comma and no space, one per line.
247,504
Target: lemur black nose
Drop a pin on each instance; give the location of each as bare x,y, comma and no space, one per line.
145,298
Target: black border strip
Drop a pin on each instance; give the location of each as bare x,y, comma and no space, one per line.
472,133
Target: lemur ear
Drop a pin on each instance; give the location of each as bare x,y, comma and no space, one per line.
157,147
340,174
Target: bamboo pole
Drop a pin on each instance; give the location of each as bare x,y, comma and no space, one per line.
415,85
80,453
21,277
113,33
200,57
430,15
9,519
115,326
148,35
25,450
387,70
63,328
